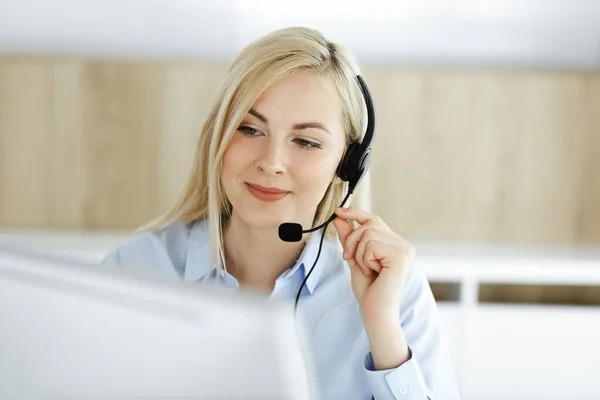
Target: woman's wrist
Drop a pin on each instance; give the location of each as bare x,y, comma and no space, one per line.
389,348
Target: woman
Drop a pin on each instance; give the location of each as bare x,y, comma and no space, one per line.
268,154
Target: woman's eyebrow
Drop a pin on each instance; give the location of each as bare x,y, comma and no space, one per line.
258,115
297,127
308,125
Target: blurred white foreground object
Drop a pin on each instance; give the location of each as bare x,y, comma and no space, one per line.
80,331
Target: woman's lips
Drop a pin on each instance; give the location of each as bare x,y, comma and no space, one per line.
266,194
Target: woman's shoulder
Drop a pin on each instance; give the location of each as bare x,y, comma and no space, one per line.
161,249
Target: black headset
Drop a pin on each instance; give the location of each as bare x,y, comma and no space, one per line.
351,169
357,159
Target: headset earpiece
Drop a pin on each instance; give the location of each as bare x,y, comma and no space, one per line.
355,163
344,171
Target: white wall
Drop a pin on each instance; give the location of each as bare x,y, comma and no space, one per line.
538,33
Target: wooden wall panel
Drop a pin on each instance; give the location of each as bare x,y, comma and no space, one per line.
486,156
40,145
588,219
189,93
481,156
79,143
123,116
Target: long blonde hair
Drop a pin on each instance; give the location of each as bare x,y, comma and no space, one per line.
259,65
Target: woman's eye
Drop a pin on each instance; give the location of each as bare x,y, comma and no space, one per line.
248,131
307,144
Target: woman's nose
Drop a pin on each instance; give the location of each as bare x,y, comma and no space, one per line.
272,159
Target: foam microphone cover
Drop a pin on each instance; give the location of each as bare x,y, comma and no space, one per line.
290,232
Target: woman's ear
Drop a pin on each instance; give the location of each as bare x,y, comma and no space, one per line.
337,180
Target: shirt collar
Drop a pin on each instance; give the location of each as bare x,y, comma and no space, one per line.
198,257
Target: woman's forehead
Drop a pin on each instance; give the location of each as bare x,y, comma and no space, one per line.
301,96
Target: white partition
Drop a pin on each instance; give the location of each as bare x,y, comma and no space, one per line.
519,351
531,352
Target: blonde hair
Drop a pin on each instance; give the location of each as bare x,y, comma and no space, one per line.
259,65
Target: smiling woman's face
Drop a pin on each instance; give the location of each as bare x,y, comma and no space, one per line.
290,142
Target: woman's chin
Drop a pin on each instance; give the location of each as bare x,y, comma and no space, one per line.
263,220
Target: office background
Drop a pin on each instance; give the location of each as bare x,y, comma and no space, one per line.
486,155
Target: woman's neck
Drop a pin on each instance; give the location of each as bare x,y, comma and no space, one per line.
256,257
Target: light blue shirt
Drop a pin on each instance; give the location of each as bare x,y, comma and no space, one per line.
335,333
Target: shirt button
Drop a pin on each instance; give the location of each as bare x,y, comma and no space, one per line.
403,390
